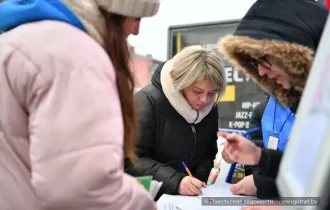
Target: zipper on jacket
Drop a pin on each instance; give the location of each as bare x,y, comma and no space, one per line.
194,133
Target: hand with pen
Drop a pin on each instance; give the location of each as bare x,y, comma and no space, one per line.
189,185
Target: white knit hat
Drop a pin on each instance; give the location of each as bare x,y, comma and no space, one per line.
131,8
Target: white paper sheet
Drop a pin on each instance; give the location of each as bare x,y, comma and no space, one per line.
195,202
178,202
219,190
154,187
168,206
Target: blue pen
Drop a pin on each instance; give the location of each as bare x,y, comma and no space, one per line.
187,169
233,166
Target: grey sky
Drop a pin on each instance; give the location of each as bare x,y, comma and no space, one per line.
153,32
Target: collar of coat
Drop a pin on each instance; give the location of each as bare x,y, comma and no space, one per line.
178,101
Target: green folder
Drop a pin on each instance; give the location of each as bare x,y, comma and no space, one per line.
145,181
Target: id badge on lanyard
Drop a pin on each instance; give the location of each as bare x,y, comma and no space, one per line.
273,140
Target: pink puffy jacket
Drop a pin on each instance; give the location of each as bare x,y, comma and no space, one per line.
61,128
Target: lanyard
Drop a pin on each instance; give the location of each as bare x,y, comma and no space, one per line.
283,122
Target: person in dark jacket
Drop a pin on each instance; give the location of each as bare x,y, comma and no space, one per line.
255,121
179,121
274,44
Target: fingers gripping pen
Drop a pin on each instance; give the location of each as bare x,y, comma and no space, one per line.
217,162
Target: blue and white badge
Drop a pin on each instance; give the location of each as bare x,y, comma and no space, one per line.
273,140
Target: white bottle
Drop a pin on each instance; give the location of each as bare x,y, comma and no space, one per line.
217,161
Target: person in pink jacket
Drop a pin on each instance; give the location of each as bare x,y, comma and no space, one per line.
66,104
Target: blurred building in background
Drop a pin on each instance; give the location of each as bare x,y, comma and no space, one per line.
142,68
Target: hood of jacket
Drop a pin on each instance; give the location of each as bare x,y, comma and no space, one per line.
14,13
288,30
162,80
84,15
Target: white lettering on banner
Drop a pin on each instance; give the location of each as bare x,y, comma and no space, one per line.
238,124
246,105
232,75
255,104
236,77
243,115
249,105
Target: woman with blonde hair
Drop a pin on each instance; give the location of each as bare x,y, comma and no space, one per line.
179,121
66,118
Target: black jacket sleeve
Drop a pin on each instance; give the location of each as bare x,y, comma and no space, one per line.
203,169
270,162
145,147
265,178
255,120
266,186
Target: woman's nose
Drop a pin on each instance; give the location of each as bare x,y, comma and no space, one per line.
262,70
137,28
204,99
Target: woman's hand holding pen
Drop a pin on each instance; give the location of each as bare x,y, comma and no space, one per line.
191,186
